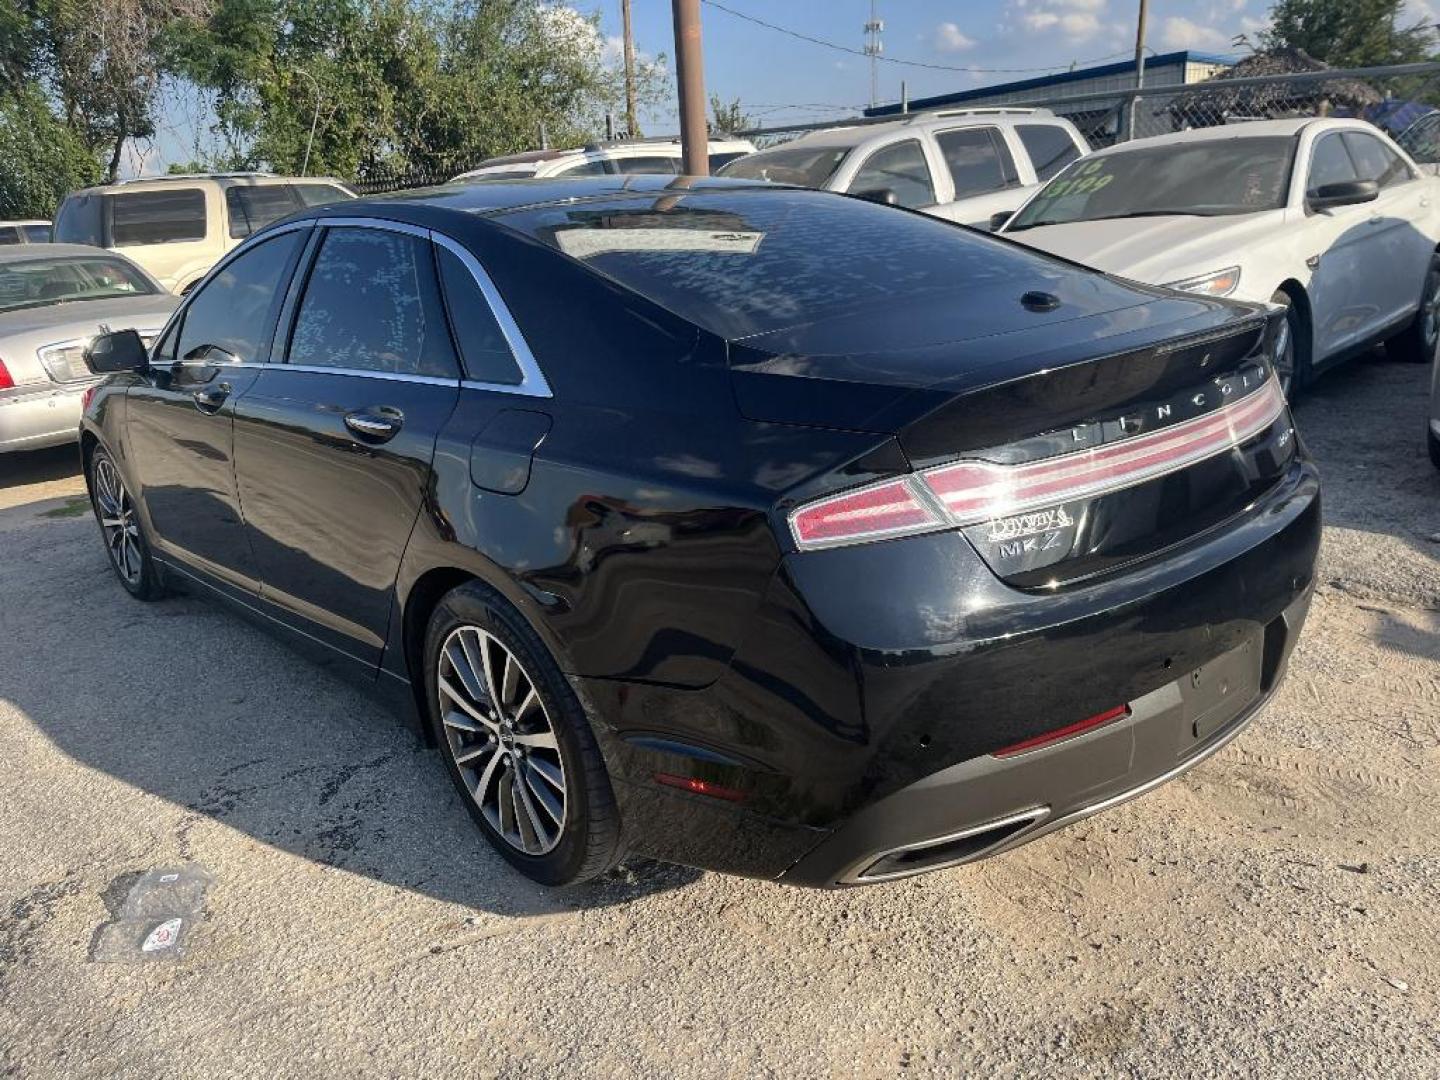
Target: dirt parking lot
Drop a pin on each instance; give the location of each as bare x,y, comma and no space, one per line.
1276,912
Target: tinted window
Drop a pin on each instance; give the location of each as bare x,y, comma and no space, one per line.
635,165
720,160
1421,140
234,310
804,166
751,262
1050,148
36,234
9,234
252,208
977,160
79,221
1376,161
41,281
1330,164
320,194
372,304
157,217
1211,178
901,168
483,347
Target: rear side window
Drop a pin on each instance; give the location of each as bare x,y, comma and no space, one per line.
483,347
978,160
720,159
79,221
1050,148
582,168
1330,163
635,165
1376,161
901,168
252,208
157,217
36,234
372,304
9,234
233,311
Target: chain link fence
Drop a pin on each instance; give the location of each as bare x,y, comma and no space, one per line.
1393,98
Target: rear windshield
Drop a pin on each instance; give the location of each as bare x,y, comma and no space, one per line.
41,282
804,166
1213,178
752,262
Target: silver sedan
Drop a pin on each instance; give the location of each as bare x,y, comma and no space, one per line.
53,300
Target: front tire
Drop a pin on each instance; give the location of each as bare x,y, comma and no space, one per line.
120,526
1292,363
1416,344
516,741
1434,442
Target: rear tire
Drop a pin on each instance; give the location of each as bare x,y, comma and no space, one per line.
516,741
120,527
1292,365
1416,344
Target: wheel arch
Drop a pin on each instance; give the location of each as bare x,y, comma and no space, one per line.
1300,300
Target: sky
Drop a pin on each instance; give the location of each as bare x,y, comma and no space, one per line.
965,43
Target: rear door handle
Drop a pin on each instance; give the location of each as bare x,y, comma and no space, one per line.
375,425
211,399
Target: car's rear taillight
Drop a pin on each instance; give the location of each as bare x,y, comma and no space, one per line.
6,379
87,397
969,492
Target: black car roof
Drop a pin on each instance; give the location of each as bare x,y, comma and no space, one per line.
499,196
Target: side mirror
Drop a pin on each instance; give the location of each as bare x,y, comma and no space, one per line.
119,351
883,195
1346,193
1000,220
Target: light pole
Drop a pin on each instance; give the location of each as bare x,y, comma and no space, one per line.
314,120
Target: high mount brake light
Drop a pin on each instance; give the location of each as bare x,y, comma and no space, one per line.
970,492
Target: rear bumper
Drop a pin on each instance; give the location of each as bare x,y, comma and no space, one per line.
990,804
39,417
854,721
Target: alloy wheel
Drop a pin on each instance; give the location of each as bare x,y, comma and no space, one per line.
501,739
117,521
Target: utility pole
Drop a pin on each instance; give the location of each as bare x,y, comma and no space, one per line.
314,121
1139,68
873,48
632,126
690,79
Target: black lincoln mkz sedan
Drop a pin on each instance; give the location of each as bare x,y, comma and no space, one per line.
754,528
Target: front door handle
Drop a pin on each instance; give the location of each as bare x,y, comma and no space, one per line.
375,425
211,398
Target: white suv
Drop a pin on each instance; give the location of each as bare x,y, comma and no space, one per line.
966,165
603,159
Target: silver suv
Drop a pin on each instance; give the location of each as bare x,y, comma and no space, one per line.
966,165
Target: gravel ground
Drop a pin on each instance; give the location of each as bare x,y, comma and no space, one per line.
1276,912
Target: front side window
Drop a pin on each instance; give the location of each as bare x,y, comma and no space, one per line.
234,311
1376,161
43,282
1330,164
36,234
483,346
372,304
1050,148
157,217
252,208
10,234
580,168
78,221
979,162
320,194
632,166
1209,178
901,168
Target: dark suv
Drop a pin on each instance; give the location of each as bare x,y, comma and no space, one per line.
761,529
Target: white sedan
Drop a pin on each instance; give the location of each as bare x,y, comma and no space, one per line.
1327,217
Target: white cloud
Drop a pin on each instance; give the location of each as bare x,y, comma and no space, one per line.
1178,32
949,38
1076,21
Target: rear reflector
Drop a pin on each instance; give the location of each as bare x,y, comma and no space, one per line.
700,787
6,379
1067,732
969,492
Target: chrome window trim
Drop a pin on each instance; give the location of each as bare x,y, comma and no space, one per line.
532,380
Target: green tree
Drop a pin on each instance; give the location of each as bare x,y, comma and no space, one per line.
727,118
44,159
1350,33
